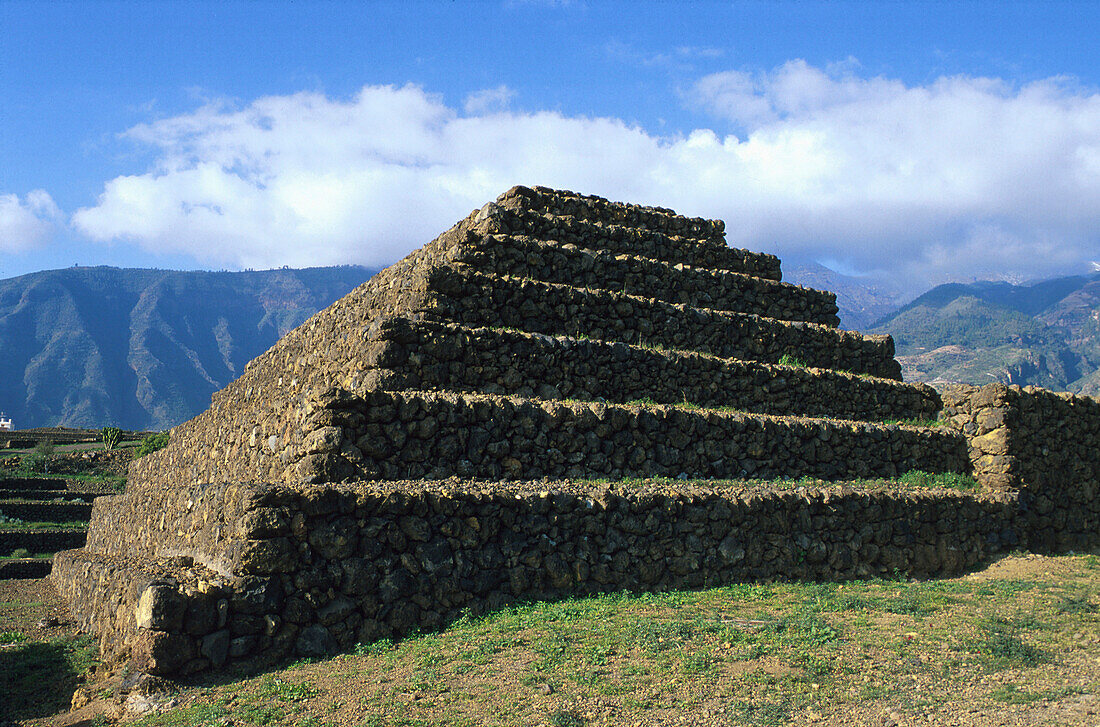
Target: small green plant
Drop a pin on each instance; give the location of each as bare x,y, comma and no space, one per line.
374,648
945,480
917,422
643,402
151,443
564,718
789,360
12,637
288,691
110,436
37,461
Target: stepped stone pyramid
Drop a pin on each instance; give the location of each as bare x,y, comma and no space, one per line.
547,336
533,321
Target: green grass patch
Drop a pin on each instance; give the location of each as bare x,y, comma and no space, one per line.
12,637
37,679
16,524
1001,648
789,360
1076,604
914,479
762,713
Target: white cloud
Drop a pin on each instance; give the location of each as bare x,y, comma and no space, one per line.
957,178
27,223
489,100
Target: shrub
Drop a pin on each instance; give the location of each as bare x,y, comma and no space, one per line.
37,461
110,436
152,443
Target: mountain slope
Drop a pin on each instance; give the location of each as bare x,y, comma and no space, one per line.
861,300
1046,334
143,349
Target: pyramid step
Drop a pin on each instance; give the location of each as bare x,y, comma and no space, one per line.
550,261
598,209
704,252
411,435
46,512
12,568
32,483
435,356
478,300
40,541
162,613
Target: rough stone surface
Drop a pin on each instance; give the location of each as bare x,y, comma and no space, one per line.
1044,445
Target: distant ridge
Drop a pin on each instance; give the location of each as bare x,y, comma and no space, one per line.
1044,334
141,348
861,300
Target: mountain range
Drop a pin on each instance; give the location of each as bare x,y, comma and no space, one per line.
1045,334
143,349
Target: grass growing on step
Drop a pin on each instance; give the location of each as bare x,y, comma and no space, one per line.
914,479
111,482
24,554
7,523
917,422
946,480
789,360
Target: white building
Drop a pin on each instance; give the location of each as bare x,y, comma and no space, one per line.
5,423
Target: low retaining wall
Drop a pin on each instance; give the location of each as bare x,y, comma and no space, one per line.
1044,445
40,541
426,355
462,295
527,257
54,512
265,572
401,435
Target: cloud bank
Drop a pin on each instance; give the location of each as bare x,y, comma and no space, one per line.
960,178
27,223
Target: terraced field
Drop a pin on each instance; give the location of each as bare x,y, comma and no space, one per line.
42,515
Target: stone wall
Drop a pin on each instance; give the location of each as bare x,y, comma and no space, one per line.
427,355
708,252
474,299
1043,444
527,257
266,572
399,435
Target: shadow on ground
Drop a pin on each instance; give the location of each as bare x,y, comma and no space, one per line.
37,679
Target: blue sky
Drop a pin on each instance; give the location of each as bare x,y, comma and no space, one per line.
921,141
